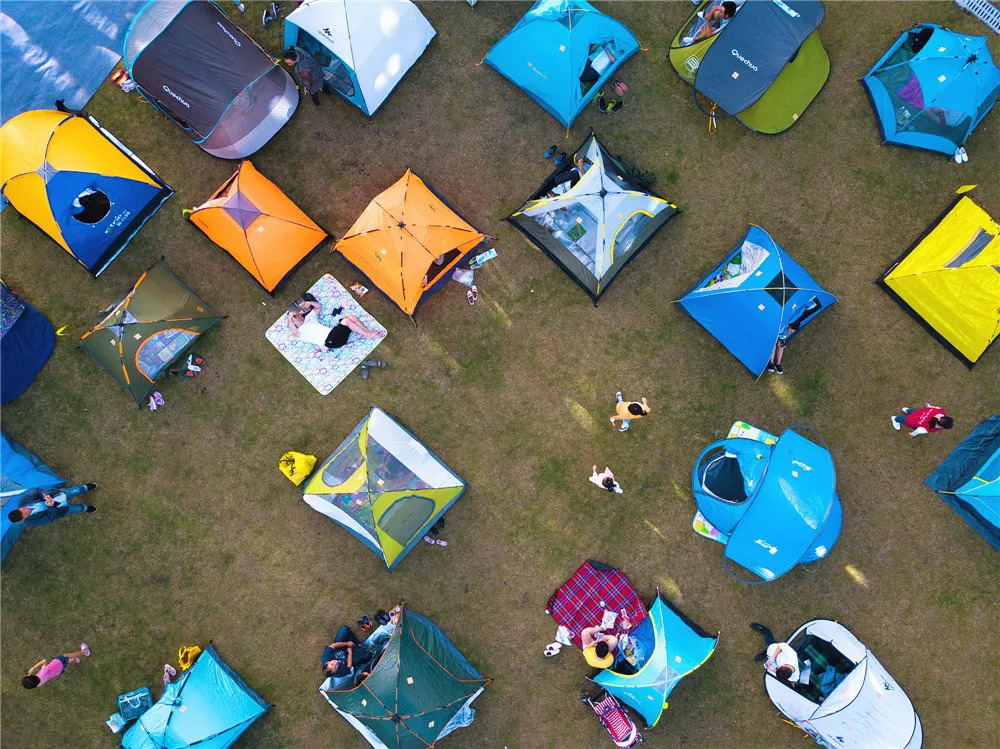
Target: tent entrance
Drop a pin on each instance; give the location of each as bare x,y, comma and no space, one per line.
722,478
828,667
338,74
405,517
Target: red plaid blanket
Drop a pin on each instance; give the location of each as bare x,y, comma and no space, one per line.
582,599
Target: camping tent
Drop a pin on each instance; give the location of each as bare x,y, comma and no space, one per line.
365,46
401,233
21,471
932,88
421,689
948,280
561,53
147,330
26,342
849,700
208,707
203,72
256,223
383,486
593,225
753,297
76,182
767,70
969,480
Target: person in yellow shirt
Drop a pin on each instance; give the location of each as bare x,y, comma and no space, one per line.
598,647
625,411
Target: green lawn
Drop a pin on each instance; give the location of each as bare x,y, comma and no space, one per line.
199,537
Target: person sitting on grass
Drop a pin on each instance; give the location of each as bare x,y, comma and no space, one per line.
303,321
46,670
51,507
606,480
598,647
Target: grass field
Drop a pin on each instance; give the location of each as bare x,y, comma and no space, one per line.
200,537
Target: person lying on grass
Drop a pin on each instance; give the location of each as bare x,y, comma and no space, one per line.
303,321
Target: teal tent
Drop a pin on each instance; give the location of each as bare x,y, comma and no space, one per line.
679,647
208,707
21,471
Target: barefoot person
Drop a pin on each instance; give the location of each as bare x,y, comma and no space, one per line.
598,647
625,411
46,670
51,507
303,320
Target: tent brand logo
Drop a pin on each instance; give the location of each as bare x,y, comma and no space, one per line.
176,96
228,33
770,549
326,33
801,465
118,221
745,61
691,64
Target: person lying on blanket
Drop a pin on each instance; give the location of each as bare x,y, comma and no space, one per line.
598,647
303,321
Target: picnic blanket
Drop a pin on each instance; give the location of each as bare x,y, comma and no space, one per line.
325,368
582,600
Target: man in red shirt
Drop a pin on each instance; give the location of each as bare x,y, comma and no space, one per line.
923,420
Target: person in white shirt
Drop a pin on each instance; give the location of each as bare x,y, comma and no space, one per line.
782,661
303,320
605,480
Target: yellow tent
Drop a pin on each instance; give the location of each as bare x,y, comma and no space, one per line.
401,234
949,279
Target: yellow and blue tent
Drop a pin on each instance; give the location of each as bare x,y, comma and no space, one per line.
383,486
76,182
948,279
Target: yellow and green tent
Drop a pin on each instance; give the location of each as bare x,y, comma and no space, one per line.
383,486
949,280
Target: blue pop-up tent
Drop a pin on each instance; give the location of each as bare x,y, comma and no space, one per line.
21,471
932,88
561,53
209,706
753,298
26,342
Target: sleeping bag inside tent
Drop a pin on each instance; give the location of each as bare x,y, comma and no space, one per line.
149,329
26,342
383,486
256,223
365,47
948,279
932,88
76,182
561,53
21,472
592,224
764,65
402,236
209,707
755,296
969,480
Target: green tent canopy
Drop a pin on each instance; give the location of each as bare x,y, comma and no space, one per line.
148,329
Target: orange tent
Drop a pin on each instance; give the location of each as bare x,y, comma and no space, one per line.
402,232
256,223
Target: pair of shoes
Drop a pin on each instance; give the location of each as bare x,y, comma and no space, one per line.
551,151
91,508
85,648
561,158
270,14
381,617
436,542
91,486
473,294
552,649
895,424
619,397
168,669
371,364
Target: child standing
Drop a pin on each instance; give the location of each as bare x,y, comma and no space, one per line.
625,411
925,420
46,670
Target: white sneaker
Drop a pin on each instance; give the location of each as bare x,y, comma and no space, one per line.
619,397
895,424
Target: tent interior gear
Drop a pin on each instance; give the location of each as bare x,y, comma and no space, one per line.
383,486
199,68
948,279
77,183
149,329
399,239
848,699
209,707
255,222
769,68
592,224
21,472
969,480
420,690
365,47
26,342
773,500
932,88
754,297
561,53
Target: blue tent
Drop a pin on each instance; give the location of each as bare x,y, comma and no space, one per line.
26,342
561,53
753,297
932,88
209,706
773,501
21,471
679,647
969,480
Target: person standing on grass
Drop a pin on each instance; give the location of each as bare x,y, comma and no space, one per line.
925,420
46,670
34,512
606,480
308,71
628,410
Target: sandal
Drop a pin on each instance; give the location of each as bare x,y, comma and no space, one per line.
439,542
158,398
429,540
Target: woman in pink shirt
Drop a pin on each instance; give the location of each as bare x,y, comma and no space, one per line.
923,420
45,670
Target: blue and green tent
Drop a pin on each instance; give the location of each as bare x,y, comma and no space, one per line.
561,53
21,471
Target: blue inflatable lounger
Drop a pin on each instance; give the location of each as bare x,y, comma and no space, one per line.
771,501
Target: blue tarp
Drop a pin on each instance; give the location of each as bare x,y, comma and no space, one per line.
21,471
26,342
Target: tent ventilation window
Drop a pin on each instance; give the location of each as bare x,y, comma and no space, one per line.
780,288
338,76
91,206
972,249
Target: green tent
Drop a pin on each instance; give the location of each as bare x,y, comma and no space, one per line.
148,329
420,690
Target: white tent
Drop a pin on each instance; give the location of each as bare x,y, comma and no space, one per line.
365,46
866,710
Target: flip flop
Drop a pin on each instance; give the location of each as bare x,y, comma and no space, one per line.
429,540
157,398
152,403
439,542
